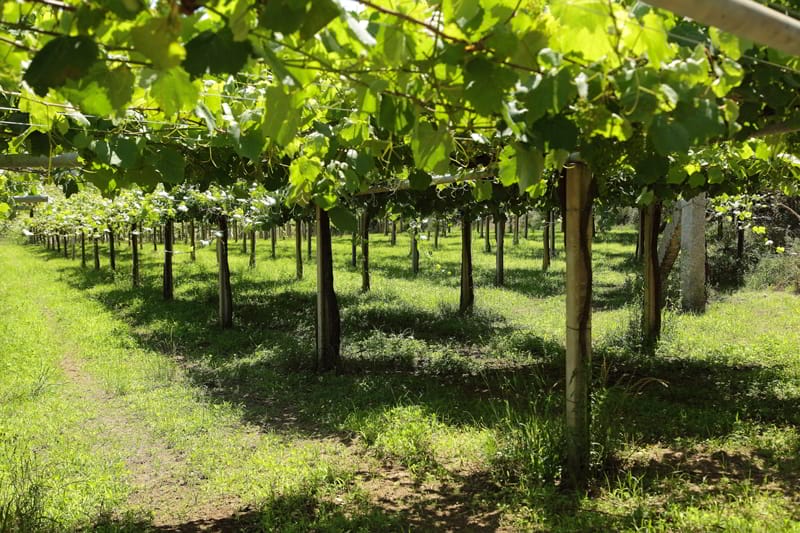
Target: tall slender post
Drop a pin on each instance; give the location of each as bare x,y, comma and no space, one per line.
192,252
96,252
225,310
546,245
467,298
693,255
487,245
525,235
579,321
500,230
365,285
83,249
273,235
353,249
515,240
168,287
112,252
328,324
415,250
252,262
135,255
393,238
651,317
298,249
310,229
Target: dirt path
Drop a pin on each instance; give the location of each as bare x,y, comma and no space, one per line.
165,492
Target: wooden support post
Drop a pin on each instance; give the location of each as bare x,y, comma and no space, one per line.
83,249
192,251
365,284
252,262
693,255
515,239
436,235
415,250
273,235
487,244
651,315
310,230
467,298
112,252
328,324
168,286
546,245
579,322
96,252
298,249
353,249
526,226
66,248
135,255
225,310
500,230
393,238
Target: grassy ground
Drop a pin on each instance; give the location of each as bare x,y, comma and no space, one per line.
121,411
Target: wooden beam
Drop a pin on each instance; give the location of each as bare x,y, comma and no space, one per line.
23,161
743,18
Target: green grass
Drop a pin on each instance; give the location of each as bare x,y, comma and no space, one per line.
701,435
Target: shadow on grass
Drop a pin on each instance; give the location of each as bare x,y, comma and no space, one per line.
256,366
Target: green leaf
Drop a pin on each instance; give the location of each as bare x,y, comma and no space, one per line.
157,40
174,91
343,219
419,179
170,164
62,59
239,20
482,190
217,53
676,175
250,144
124,9
431,148
285,16
318,16
486,85
282,117
530,165
460,12
668,137
125,152
715,175
727,43
119,85
653,167
550,93
521,164
559,132
697,180
303,173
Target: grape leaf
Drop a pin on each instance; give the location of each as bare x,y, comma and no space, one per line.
174,91
217,53
62,59
486,84
343,219
431,148
156,39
